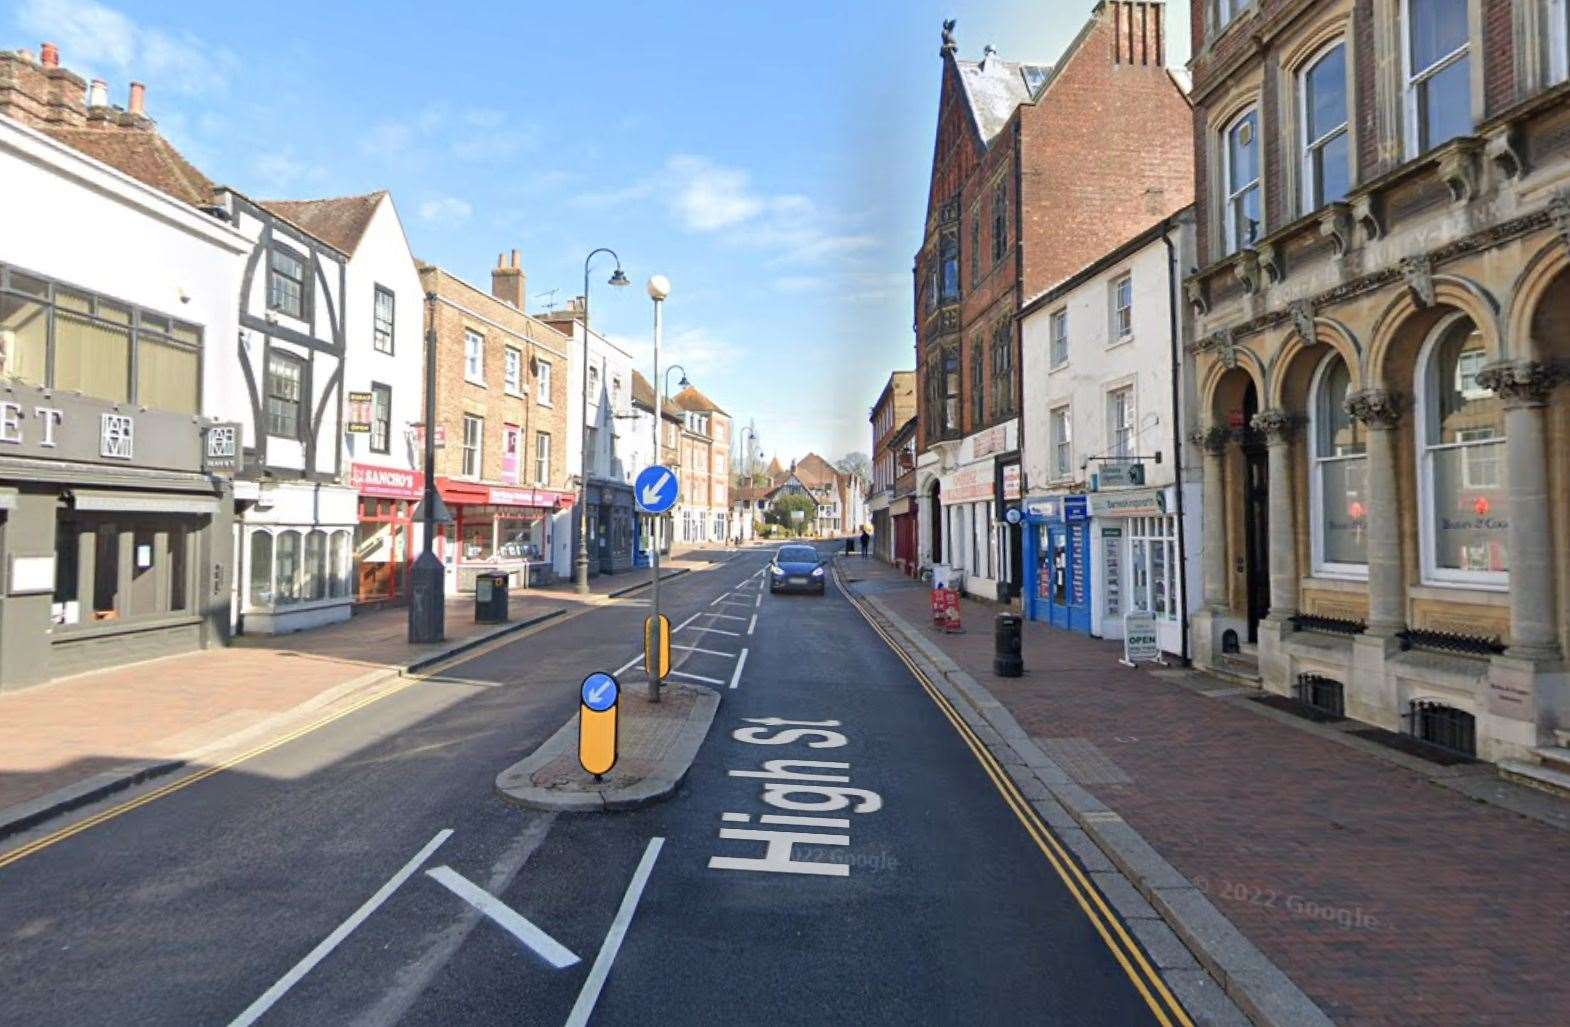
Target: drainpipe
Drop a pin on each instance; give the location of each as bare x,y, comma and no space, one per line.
1177,430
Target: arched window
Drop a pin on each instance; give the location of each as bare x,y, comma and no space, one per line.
1338,483
261,569
288,567
1461,452
1327,146
1240,173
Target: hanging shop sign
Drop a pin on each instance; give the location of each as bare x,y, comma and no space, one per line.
1120,474
221,448
357,418
1011,482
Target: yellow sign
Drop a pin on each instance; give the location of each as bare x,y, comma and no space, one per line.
597,728
657,646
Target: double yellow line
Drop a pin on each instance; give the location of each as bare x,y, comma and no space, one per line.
1168,1011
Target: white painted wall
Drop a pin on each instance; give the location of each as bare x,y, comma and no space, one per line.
65,215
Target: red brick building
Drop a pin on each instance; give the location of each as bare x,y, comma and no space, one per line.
1037,170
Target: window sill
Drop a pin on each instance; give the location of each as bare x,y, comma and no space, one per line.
544,403
1330,581
514,393
1485,594
1055,368
1126,340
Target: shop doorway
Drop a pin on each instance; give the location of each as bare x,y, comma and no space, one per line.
1256,518
1063,576
935,515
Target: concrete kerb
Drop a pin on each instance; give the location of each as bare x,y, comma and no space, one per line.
1259,988
513,784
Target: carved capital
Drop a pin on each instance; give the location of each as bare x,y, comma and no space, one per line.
1303,320
1504,151
1226,348
1214,439
1377,408
1335,224
1269,257
1419,275
1559,214
1521,382
1275,425
1198,296
1368,217
1458,170
1246,269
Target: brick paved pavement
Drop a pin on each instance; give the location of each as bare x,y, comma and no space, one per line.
61,733
1386,898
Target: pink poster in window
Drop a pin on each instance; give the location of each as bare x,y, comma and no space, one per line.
511,437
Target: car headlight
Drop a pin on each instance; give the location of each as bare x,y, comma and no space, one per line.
775,569
817,572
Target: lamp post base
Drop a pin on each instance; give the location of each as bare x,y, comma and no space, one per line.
580,573
427,600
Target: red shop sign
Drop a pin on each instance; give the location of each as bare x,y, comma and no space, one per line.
386,482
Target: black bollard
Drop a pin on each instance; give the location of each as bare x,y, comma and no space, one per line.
1007,657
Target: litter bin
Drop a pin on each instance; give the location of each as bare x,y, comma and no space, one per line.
1008,660
490,597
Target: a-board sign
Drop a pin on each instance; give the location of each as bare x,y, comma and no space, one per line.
1139,638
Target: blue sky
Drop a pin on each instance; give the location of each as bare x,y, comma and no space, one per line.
770,158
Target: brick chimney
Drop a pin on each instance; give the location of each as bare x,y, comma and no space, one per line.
40,92
1137,32
508,280
138,101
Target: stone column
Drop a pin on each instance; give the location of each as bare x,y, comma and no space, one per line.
1277,427
1380,411
1215,522
1524,386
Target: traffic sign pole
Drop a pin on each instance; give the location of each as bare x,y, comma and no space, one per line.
655,490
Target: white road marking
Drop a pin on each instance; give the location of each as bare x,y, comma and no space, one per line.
635,660
696,677
706,652
684,623
722,616
806,821
548,948
735,677
736,818
717,631
753,624
254,1011
590,994
758,602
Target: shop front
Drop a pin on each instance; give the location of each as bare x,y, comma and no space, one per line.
114,538
1057,576
902,514
1135,560
498,528
611,520
385,540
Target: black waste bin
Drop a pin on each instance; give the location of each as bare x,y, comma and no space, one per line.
490,597
1007,658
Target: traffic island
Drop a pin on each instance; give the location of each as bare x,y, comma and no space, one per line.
655,749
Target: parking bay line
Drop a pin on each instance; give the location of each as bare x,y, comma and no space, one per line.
741,662
635,660
696,677
715,631
265,1001
706,652
721,616
590,994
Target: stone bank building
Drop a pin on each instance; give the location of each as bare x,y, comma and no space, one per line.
1381,328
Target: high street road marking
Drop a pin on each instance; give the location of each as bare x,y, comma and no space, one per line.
696,677
265,1002
717,631
722,616
706,652
548,948
753,624
735,677
624,667
584,1007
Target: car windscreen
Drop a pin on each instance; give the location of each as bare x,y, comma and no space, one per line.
798,554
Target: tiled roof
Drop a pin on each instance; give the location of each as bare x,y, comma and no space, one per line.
815,472
643,396
339,221
994,87
691,399
144,155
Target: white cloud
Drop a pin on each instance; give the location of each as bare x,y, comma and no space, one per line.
448,210
281,171
708,196
102,41
438,133
698,352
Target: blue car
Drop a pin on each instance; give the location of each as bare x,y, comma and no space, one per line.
797,569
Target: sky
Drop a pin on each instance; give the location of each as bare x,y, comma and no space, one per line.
770,158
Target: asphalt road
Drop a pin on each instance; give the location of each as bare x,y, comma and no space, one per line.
921,898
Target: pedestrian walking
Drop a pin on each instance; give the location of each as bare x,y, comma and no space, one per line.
865,538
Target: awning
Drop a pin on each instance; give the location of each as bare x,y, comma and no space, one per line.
143,502
7,499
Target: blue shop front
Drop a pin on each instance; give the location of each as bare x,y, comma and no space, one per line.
1057,570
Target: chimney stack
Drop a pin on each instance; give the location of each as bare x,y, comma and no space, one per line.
49,55
98,94
1137,32
138,101
508,280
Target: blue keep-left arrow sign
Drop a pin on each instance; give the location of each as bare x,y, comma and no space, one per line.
599,692
655,489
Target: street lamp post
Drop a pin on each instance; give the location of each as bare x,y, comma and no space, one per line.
659,288
681,384
749,438
428,578
580,564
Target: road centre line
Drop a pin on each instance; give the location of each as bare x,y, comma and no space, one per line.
735,677
696,677
265,1001
717,631
584,1007
515,924
706,652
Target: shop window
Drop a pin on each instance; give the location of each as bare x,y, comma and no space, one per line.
179,568
477,536
1338,488
1465,508
1240,173
261,569
92,356
340,563
313,567
288,561
24,339
66,608
1327,146
106,572
1439,76
1153,565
